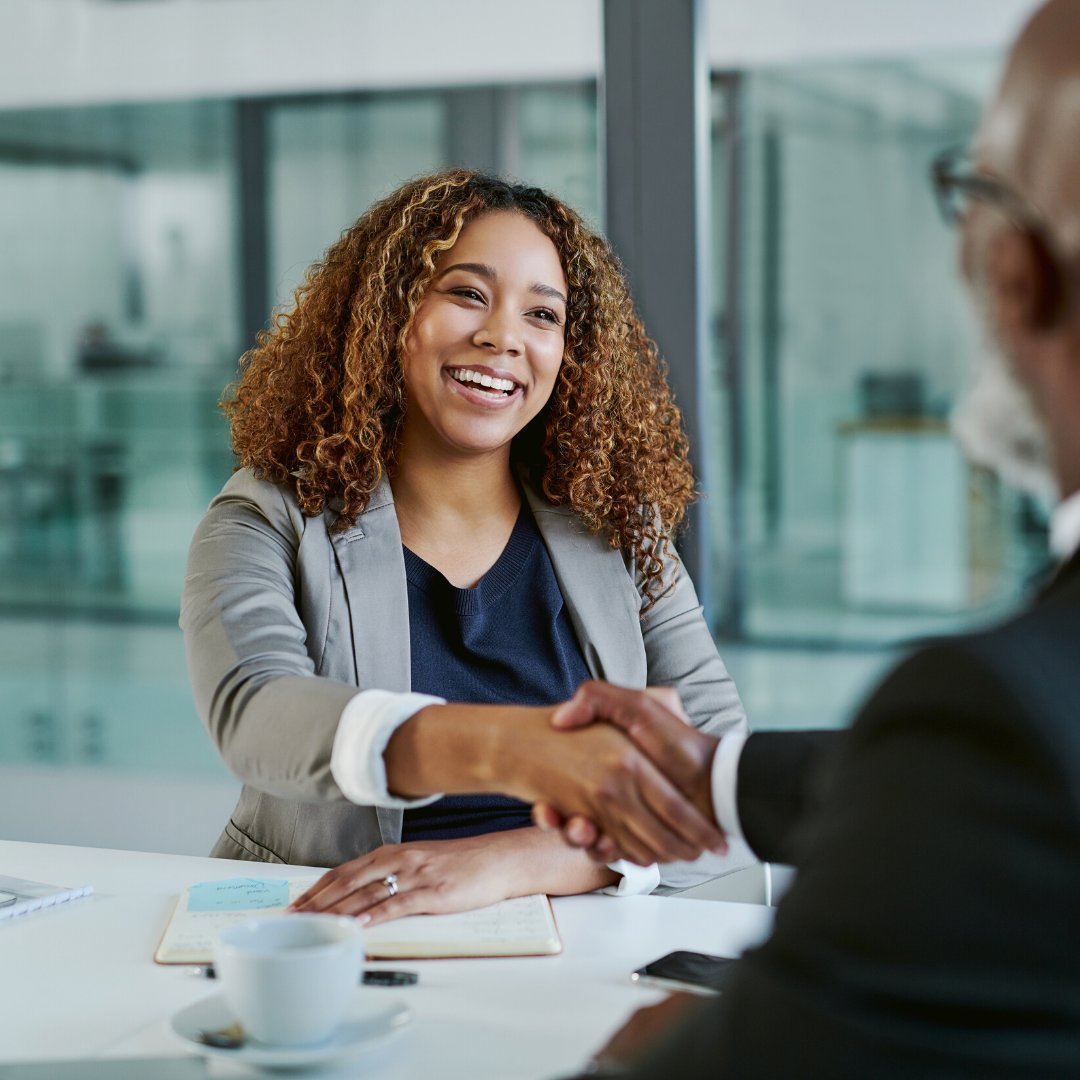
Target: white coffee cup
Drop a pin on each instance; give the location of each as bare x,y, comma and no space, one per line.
290,978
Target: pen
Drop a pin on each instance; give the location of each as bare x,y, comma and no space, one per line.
377,977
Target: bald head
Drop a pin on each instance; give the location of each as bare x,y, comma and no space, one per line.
1030,135
1022,415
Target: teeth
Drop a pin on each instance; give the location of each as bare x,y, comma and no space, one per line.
463,375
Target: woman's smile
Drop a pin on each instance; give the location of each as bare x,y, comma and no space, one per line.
488,387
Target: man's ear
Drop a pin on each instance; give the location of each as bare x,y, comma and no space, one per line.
1025,283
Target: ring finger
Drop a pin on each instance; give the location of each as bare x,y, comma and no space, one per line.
353,895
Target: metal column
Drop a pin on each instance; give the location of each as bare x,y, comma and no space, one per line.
656,122
252,161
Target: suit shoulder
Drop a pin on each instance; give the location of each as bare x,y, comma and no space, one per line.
1016,681
246,496
244,484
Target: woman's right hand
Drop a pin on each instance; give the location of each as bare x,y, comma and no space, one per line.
655,721
597,772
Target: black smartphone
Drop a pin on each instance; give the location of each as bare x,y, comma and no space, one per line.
682,970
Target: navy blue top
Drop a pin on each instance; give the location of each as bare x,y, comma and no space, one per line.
507,640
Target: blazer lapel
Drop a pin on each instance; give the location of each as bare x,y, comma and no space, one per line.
598,591
372,567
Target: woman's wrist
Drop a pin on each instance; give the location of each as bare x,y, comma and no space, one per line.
457,748
533,861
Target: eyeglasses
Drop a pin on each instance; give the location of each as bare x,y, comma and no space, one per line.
958,183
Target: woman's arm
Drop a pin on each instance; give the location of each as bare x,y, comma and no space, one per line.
439,876
249,654
595,772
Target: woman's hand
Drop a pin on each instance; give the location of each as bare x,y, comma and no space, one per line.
594,773
655,721
433,877
604,778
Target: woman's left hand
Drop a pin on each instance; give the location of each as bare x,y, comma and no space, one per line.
422,877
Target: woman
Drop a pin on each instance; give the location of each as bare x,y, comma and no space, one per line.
461,464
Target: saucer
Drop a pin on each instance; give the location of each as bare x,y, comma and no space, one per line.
366,1024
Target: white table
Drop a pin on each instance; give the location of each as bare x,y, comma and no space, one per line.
78,980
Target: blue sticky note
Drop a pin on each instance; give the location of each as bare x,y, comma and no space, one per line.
238,894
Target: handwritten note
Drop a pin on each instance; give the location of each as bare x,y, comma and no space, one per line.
238,894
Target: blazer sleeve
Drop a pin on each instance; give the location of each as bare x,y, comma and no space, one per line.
680,652
781,783
249,658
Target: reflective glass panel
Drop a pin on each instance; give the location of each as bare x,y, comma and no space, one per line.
853,520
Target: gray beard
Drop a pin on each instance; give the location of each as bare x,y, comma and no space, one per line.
997,426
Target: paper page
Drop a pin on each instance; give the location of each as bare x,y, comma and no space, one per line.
523,926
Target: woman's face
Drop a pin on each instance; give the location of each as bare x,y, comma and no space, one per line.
484,350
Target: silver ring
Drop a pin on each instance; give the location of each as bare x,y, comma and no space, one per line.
390,881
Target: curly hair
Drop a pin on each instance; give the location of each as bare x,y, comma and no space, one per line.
320,399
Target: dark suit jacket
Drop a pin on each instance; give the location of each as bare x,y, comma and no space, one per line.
934,927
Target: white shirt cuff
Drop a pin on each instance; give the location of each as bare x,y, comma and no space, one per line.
725,776
635,881
367,724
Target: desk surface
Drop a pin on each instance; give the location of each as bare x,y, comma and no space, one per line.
78,980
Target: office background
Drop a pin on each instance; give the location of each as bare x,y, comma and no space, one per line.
169,168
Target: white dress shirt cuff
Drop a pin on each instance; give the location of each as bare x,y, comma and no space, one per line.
367,724
725,777
635,881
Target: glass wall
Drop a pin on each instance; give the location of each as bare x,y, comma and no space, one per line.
124,273
118,325
857,521
330,158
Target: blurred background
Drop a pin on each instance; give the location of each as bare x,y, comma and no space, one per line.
169,169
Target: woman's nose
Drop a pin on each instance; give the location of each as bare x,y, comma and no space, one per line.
498,334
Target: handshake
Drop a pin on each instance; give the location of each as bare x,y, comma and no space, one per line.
623,775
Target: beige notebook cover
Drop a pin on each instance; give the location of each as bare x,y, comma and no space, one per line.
523,926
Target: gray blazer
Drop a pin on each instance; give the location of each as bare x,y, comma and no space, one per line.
284,620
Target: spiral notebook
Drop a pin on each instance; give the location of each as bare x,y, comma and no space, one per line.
522,926
35,895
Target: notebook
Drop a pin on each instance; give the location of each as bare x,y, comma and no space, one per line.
34,895
522,926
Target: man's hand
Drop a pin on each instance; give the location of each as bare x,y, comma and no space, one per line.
654,719
645,1028
597,774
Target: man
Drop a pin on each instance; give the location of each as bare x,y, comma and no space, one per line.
934,927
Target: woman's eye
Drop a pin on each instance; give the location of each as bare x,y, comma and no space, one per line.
467,293
546,314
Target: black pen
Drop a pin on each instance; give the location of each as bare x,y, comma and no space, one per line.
374,977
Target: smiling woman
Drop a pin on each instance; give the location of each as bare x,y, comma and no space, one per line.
461,469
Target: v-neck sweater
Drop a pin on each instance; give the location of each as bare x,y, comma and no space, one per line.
506,641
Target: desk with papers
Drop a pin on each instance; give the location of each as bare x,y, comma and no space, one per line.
79,981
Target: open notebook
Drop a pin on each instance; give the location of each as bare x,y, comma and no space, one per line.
523,926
